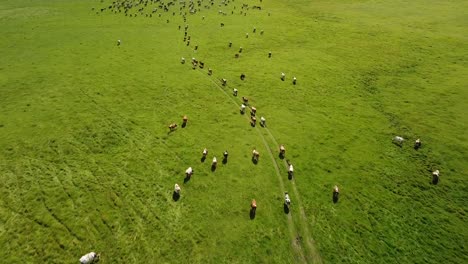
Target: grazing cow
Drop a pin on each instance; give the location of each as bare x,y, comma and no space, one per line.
184,120
253,121
222,24
118,42
282,151
242,76
269,54
253,111
182,60
435,176
240,50
287,200
253,205
417,144
189,172
336,193
246,35
202,65
230,44
205,152
246,100
210,71
242,108
234,92
90,258
225,154
196,47
172,126
262,121
254,30
177,188
223,82
283,76
214,162
397,140
255,155
294,80
290,170
236,55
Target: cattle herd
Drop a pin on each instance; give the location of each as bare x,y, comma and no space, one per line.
180,11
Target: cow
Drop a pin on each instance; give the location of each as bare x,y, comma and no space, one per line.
269,54
234,92
119,42
242,108
182,60
222,24
246,35
253,111
189,172
283,76
435,176
254,30
90,258
184,120
294,80
417,144
202,65
172,126
225,156
210,71
214,163
224,82
287,199
245,100
255,155
253,121
242,76
262,121
336,193
282,151
236,55
240,50
290,170
397,140
177,188
205,152
230,44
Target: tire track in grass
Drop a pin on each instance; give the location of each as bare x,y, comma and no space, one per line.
314,255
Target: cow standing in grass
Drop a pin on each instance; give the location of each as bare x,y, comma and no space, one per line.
282,151
172,127
255,155
336,193
90,258
417,144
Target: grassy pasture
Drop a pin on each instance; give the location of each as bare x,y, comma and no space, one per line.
87,163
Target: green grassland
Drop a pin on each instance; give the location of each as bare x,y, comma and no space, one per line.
87,163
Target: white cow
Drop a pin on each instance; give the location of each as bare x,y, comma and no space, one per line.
398,140
262,121
176,188
189,171
287,200
89,258
291,168
215,161
242,108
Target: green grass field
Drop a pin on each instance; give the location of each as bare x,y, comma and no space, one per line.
87,162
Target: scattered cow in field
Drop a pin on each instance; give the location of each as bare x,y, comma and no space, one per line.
253,111
236,55
230,44
182,60
336,193
287,202
172,126
282,151
222,24
242,108
397,140
177,188
210,71
253,121
90,258
245,100
184,121
294,80
189,172
269,54
240,50
254,30
290,170
262,121
223,82
417,144
225,156
214,164
246,35
242,76
255,155
435,176
253,208
283,76
234,92
118,42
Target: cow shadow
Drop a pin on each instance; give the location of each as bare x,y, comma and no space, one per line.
252,213
187,179
335,197
175,196
225,160
281,156
286,208
184,125
213,167
290,175
435,180
203,159
254,161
